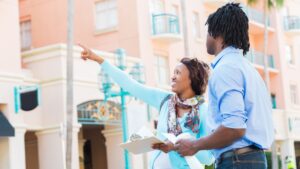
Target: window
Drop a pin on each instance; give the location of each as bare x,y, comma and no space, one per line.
175,24
25,34
162,70
289,54
196,25
294,94
106,14
273,99
157,7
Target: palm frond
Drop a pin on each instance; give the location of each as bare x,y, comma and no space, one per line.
251,2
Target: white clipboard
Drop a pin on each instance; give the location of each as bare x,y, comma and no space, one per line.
144,144
141,146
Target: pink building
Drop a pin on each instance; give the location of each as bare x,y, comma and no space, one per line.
156,33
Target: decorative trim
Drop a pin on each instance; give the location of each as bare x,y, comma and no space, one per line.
25,18
81,82
62,49
106,31
112,132
42,50
9,77
56,128
17,78
260,25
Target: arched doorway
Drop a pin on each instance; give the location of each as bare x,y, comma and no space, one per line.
95,116
31,150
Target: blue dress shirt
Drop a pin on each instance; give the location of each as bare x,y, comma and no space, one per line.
238,98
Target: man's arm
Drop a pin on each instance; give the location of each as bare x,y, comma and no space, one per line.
221,138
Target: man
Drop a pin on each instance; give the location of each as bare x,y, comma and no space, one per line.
240,112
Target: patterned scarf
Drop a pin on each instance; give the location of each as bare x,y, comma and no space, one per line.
192,119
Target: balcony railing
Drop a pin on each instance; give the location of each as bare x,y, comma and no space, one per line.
165,24
292,23
255,15
258,58
98,112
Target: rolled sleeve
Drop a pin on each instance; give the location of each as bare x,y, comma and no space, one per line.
232,110
229,91
234,122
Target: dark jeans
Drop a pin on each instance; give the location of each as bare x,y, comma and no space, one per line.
250,160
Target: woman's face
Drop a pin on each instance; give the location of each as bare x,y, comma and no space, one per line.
180,80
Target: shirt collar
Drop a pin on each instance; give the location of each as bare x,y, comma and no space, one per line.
225,51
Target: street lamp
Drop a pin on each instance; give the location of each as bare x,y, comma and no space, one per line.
107,84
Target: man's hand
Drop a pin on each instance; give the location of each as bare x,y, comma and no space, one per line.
186,147
165,147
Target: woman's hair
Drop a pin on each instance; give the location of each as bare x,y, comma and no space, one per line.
231,23
198,73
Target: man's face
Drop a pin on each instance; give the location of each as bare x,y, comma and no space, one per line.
210,45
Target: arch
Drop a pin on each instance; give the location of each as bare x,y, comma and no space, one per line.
99,112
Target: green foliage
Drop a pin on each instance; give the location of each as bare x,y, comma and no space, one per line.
209,167
269,160
271,3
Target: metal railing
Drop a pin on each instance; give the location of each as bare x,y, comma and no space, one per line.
255,15
99,112
256,57
165,23
292,23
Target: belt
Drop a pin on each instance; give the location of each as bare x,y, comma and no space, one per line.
239,151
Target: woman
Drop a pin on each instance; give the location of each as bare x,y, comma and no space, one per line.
182,111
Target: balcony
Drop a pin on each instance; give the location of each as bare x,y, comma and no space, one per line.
165,28
256,20
257,59
292,24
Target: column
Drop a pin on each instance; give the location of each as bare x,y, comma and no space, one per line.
51,146
115,155
16,148
287,149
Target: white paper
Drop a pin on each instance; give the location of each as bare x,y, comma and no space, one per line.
145,132
192,161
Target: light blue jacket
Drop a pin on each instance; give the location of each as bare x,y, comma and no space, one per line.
154,97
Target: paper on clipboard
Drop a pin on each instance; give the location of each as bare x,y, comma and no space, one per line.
142,145
192,161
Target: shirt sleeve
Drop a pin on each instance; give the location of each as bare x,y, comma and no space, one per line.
149,95
228,89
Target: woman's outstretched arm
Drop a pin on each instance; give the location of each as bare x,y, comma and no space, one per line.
149,95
